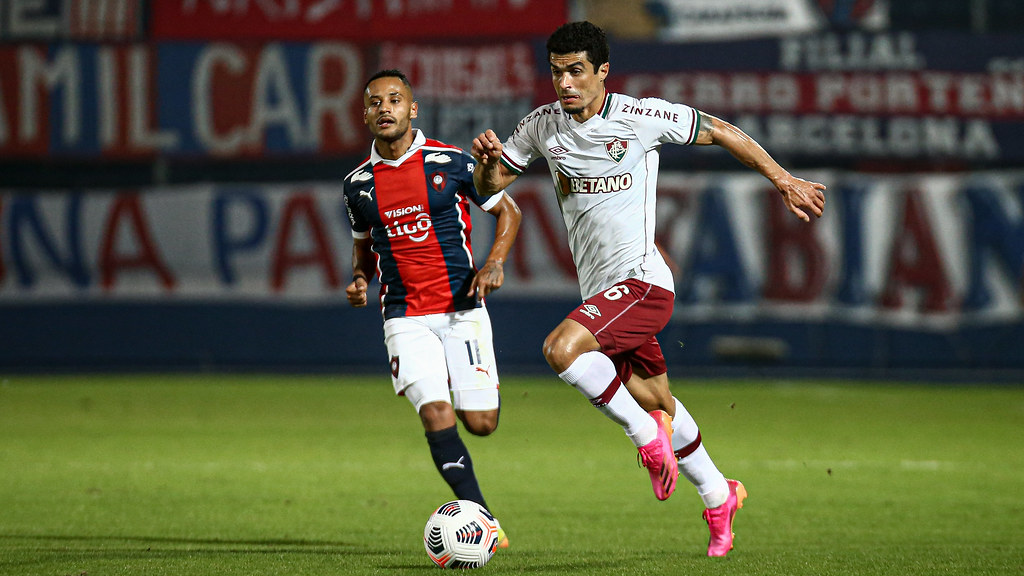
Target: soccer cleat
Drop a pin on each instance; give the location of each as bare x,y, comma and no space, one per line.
720,519
658,458
502,538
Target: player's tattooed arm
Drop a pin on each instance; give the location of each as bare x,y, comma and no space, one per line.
490,175
492,275
801,197
705,129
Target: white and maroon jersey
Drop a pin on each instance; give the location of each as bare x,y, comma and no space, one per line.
605,171
416,211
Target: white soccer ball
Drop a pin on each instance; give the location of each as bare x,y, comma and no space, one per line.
460,534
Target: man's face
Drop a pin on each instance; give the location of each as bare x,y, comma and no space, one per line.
577,84
388,109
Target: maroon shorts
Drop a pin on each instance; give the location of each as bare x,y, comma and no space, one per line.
625,320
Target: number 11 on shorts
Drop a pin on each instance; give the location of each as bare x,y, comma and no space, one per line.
473,349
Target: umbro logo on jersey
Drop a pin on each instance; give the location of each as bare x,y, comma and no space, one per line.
558,153
362,176
616,149
437,158
591,311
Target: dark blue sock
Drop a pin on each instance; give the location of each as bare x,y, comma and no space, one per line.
453,462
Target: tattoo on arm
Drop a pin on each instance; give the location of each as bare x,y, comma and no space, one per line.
706,128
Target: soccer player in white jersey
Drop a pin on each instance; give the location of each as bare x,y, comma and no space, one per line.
602,151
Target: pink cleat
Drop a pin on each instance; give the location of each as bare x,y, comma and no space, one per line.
658,458
720,520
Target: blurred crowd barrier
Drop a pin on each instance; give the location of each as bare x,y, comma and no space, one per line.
169,175
106,92
917,271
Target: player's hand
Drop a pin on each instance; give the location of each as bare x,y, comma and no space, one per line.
802,196
356,292
487,279
487,148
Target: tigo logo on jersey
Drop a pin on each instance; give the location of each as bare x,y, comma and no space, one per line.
417,231
616,149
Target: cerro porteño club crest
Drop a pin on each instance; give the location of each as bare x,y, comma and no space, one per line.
438,180
616,149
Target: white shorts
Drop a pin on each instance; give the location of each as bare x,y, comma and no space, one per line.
445,357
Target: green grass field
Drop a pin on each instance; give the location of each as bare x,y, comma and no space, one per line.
320,475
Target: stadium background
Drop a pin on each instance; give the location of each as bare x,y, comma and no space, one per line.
169,178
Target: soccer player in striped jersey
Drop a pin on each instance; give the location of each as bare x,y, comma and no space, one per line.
409,205
602,152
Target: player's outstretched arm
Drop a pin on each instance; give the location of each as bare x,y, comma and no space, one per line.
799,195
492,275
362,270
490,176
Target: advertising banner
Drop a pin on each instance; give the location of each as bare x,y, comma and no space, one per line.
245,100
50,20
857,99
863,101
353,20
197,100
464,90
689,20
927,251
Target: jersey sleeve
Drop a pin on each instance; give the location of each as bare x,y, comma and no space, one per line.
668,123
360,227
484,202
521,147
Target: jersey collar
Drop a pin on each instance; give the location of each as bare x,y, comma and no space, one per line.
418,140
601,116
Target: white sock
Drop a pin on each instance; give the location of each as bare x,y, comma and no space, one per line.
696,464
594,375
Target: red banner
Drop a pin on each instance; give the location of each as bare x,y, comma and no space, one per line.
354,20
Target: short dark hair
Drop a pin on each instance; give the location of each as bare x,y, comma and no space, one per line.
580,37
389,73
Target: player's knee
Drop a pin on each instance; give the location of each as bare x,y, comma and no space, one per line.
480,423
555,353
437,416
561,351
566,343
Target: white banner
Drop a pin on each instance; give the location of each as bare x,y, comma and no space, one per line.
925,249
693,20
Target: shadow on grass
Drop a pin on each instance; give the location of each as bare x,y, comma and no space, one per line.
43,545
170,540
278,542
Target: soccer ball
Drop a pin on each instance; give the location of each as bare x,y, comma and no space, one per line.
460,534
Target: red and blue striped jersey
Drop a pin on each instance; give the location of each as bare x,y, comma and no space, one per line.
416,212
